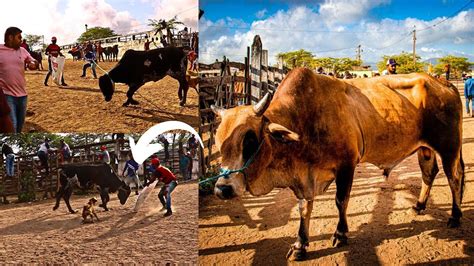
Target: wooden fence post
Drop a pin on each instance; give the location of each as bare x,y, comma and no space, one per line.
264,74
255,70
247,79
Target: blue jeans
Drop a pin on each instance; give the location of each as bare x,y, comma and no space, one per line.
168,188
469,99
17,111
10,164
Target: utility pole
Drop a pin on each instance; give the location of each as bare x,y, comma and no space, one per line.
358,57
86,27
414,45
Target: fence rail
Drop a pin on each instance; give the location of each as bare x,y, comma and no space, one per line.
228,84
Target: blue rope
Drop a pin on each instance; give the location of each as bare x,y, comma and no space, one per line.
223,172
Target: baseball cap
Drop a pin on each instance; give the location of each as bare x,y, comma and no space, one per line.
155,161
103,148
53,38
392,62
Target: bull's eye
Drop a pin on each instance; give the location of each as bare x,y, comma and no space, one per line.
249,145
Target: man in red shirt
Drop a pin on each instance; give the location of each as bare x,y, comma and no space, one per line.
168,178
53,50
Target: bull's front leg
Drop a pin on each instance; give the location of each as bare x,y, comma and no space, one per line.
298,249
104,196
183,91
131,90
67,195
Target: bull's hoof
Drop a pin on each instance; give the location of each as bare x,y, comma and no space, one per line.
417,210
339,240
181,103
125,104
295,254
133,102
454,222
73,211
55,207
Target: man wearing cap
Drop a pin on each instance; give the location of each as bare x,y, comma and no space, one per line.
53,50
12,77
391,67
104,155
168,178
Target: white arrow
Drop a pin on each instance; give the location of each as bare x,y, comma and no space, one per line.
144,149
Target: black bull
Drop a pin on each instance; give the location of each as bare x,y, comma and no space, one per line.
85,176
136,68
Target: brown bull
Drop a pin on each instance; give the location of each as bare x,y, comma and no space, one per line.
317,129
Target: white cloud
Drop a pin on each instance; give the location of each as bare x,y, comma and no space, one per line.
43,18
260,14
304,28
185,10
347,11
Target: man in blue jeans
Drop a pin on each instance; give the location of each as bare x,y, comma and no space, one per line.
7,151
469,94
168,178
12,75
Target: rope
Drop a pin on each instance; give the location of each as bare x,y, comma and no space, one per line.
227,172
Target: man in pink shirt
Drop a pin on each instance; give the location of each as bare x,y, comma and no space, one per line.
12,75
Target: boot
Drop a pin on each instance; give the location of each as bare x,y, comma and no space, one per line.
168,213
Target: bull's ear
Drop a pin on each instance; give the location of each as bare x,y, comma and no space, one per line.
282,134
218,110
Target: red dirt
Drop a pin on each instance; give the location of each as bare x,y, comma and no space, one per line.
81,107
382,227
33,233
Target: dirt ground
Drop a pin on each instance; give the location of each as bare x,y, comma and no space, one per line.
382,227
34,233
80,107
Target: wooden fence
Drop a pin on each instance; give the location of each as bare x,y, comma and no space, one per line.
30,179
228,84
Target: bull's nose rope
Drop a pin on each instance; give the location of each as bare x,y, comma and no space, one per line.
227,172
105,72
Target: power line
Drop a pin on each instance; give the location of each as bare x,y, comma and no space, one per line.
452,15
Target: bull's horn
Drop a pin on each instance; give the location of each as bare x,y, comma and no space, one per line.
218,110
262,105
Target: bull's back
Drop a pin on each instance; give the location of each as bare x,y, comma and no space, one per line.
397,111
101,174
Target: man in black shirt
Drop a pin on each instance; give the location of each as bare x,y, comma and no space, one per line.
7,151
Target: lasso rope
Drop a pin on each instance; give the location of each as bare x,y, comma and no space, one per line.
227,172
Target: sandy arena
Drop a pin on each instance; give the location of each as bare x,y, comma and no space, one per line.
382,227
34,233
80,107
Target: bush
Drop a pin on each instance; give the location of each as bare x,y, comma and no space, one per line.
27,187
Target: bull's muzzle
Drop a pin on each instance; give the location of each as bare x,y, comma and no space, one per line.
224,191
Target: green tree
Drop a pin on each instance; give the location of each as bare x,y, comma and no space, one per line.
297,58
405,61
96,33
458,65
159,25
34,40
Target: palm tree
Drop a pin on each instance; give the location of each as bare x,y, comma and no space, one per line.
169,25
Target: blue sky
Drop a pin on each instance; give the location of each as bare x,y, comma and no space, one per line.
380,26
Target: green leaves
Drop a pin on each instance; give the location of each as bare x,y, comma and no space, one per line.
96,33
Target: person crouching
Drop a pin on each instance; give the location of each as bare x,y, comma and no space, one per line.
168,178
131,179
